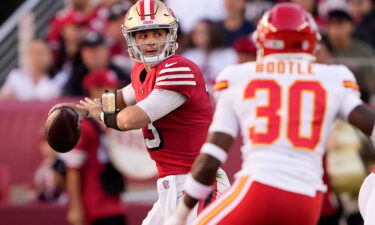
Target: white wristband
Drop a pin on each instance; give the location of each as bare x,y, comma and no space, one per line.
215,151
196,189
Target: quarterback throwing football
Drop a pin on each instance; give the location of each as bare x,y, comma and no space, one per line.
167,99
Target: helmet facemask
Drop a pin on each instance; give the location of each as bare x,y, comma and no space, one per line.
147,15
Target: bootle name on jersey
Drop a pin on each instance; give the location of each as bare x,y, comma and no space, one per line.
175,140
284,108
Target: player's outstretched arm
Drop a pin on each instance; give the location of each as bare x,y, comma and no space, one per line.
122,98
155,106
203,172
129,118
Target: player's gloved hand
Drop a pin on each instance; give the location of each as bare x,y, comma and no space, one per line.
82,113
179,216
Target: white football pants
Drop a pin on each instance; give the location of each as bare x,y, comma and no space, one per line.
170,190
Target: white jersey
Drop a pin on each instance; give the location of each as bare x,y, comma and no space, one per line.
284,107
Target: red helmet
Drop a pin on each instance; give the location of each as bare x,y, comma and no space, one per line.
286,28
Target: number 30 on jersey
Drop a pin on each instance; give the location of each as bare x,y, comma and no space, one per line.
293,114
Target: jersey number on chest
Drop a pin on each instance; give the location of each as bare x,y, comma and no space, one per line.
154,141
296,105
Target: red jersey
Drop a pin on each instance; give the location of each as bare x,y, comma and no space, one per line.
175,140
96,202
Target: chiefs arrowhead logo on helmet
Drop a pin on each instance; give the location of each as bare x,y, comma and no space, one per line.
146,15
286,28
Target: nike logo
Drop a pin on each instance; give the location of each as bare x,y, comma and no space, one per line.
168,65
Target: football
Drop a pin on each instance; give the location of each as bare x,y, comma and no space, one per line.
61,130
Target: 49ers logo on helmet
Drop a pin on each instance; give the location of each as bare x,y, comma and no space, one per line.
148,22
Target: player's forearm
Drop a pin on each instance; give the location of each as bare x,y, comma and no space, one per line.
131,118
204,169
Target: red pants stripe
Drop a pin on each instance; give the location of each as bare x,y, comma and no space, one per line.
212,197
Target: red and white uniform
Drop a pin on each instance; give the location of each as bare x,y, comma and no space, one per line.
175,140
284,107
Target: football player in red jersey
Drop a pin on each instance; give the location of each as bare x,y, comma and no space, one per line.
284,105
167,98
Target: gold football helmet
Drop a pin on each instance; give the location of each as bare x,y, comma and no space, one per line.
147,15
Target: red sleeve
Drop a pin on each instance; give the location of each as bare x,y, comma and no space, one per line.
179,74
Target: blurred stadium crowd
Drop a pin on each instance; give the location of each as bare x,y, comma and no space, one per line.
85,48
86,36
